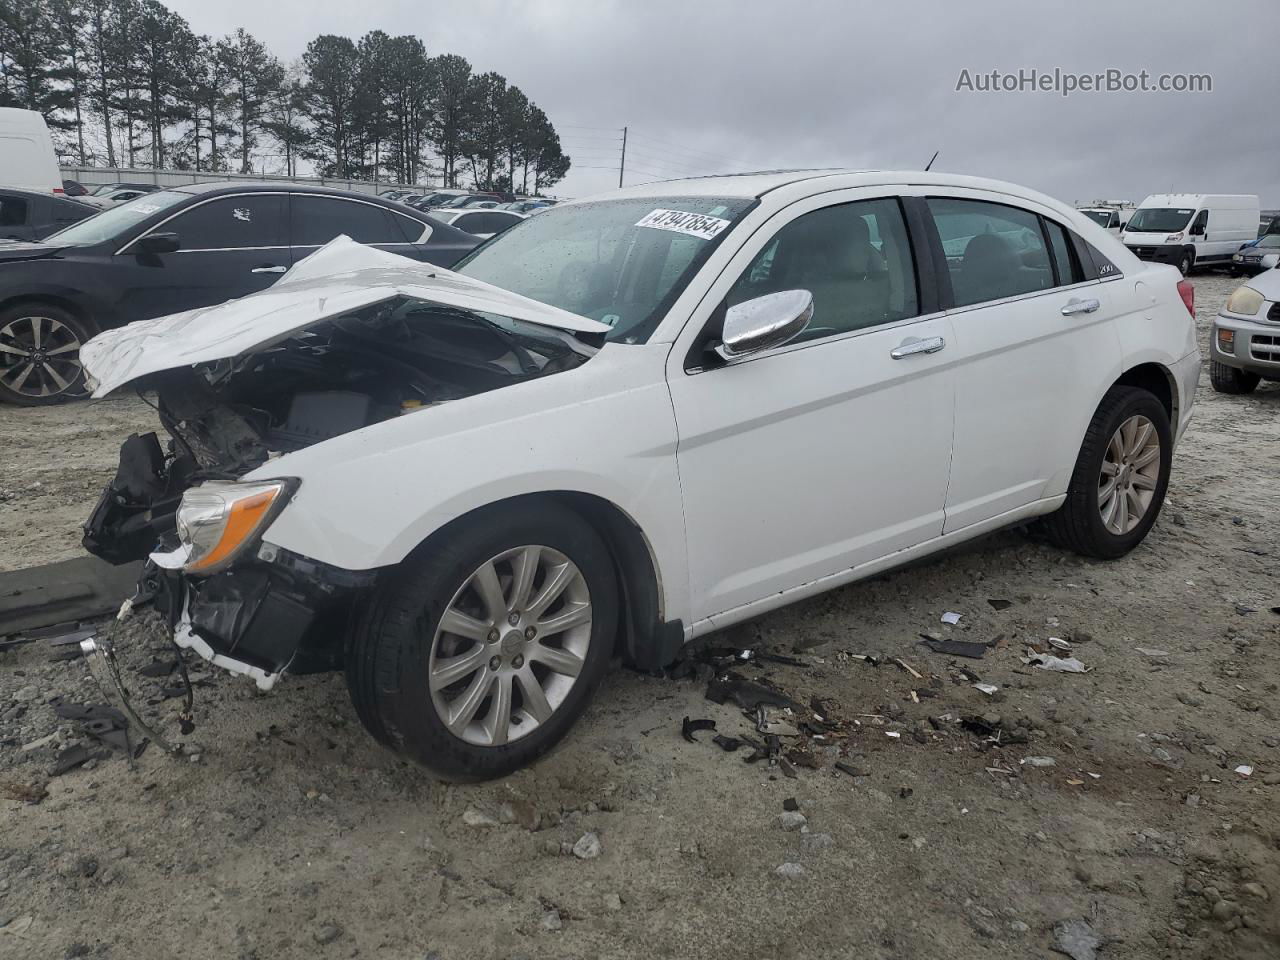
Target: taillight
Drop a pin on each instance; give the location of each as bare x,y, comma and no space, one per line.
58,190
1187,291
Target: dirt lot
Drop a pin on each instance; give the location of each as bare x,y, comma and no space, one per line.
291,834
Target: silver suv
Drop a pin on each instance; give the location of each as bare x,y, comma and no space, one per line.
1245,346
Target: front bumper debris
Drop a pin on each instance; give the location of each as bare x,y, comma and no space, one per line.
263,618
100,656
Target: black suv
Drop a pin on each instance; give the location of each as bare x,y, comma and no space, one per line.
28,215
173,250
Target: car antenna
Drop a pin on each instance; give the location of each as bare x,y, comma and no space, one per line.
931,159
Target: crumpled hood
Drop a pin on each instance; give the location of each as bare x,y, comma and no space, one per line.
339,277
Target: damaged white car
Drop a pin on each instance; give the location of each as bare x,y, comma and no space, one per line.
628,422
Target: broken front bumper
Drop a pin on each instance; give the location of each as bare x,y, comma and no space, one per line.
266,616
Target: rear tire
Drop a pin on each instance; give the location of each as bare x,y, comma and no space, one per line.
1115,496
40,354
1232,380
412,679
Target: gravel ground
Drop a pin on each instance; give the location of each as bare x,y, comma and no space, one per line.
290,834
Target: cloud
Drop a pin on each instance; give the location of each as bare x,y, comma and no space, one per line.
714,85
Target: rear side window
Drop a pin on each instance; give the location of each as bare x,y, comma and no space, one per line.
250,220
13,212
317,220
854,259
1065,264
993,250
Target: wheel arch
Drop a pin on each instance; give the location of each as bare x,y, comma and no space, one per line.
1155,378
79,310
646,639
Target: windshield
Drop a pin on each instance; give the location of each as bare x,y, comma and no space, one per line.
1100,217
1159,220
1271,241
113,222
596,260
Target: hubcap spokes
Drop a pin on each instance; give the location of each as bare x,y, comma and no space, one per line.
1130,471
39,356
510,645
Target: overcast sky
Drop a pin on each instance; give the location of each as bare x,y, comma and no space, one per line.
719,85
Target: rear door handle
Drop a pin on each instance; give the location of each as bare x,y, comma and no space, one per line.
913,345
1076,305
269,269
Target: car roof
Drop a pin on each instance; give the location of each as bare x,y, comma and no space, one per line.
262,186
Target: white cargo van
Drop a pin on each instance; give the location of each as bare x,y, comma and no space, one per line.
1191,229
27,159
1112,216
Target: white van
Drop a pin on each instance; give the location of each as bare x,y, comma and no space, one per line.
1111,216
1190,229
27,159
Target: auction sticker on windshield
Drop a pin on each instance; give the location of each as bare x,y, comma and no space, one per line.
693,224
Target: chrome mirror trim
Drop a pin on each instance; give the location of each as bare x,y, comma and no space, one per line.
763,323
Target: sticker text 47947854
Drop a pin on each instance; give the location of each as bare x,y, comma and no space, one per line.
678,221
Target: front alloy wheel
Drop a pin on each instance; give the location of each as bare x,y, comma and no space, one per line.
510,646
40,356
475,656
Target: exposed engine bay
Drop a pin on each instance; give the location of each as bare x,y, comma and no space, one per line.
391,359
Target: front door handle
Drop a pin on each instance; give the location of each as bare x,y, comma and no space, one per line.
1076,305
913,345
269,269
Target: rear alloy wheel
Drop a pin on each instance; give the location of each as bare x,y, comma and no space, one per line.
1120,477
1233,380
40,355
476,656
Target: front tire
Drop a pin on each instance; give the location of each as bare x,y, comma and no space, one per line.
1186,263
479,652
40,354
1232,380
1120,477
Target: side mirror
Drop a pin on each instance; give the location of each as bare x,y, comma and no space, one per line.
764,323
1122,226
1197,230
159,243
1270,261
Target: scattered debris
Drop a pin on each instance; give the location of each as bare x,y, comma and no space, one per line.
1059,644
1039,761
71,758
951,617
1076,938
791,803
689,727
850,769
728,744
1047,661
907,667
957,648
588,847
747,693
999,604
1245,770
989,689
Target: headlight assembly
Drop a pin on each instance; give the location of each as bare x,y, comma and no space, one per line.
217,521
1245,301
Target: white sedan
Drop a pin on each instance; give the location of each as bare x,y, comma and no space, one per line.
635,420
480,222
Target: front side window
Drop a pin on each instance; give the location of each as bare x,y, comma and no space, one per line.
622,262
119,222
1201,222
317,220
249,220
1160,219
854,259
993,250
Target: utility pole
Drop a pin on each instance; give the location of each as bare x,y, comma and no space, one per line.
622,163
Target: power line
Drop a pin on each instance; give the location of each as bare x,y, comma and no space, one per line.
667,145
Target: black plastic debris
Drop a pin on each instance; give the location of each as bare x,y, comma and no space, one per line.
158,669
850,769
72,757
748,694
104,723
791,804
998,603
689,727
956,648
728,744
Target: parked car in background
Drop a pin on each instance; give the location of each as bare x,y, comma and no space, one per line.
174,250
527,206
437,198
1191,229
114,194
471,200
1257,256
479,222
1244,346
31,215
73,188
630,422
27,159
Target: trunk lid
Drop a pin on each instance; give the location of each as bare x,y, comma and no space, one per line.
339,277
